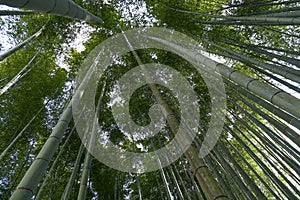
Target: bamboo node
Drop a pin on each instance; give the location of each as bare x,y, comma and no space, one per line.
247,86
25,188
271,100
200,168
25,4
229,75
42,159
221,196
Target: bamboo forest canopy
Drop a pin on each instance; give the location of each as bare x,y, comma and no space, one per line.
47,54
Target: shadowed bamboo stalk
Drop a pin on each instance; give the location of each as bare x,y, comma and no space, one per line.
249,166
249,182
237,178
68,188
66,8
287,151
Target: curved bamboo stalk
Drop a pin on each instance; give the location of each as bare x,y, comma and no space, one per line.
22,44
66,8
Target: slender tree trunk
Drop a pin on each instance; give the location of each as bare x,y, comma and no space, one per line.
4,152
20,75
22,44
266,20
88,156
286,72
292,61
53,167
256,4
68,188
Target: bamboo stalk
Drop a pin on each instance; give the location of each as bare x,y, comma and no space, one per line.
208,184
66,8
22,44
35,173
16,12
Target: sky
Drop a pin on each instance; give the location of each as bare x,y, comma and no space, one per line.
5,41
